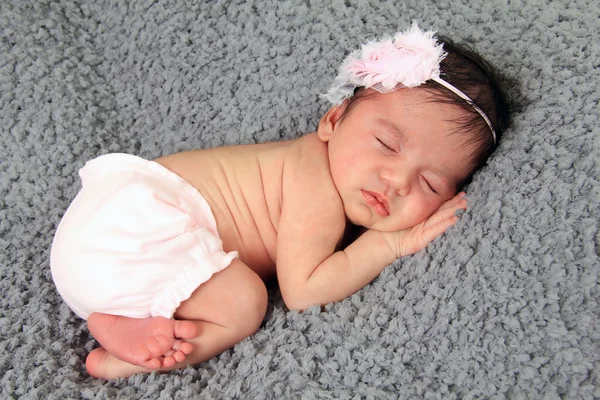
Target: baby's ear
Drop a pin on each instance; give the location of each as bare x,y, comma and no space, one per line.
329,121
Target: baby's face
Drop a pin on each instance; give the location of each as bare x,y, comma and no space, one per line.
394,158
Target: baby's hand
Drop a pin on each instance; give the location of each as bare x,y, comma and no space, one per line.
411,240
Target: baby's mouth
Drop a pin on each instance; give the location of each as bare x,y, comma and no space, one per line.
378,202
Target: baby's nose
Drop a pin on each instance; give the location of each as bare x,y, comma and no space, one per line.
402,187
399,182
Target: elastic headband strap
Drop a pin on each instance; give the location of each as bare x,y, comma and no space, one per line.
460,94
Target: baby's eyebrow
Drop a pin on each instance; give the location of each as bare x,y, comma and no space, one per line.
393,128
447,183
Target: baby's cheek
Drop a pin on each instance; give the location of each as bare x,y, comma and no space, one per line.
422,211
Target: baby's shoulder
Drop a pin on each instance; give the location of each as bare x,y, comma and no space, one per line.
310,200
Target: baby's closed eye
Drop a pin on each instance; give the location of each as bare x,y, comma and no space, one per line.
429,185
385,146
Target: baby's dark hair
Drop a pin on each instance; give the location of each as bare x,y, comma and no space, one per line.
466,70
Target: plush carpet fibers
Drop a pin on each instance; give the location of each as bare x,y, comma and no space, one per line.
506,304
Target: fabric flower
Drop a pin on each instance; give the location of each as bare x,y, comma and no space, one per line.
409,59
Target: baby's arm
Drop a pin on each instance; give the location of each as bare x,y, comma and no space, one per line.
312,224
310,270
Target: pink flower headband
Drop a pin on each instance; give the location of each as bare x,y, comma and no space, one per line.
409,60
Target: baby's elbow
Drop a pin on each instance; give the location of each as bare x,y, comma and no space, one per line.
293,303
296,301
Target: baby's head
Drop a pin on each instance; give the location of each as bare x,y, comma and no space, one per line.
434,108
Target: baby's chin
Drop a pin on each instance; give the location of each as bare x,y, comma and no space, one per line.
391,224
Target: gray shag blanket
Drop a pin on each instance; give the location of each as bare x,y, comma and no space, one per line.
505,305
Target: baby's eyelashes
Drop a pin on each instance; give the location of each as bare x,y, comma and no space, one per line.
385,147
430,187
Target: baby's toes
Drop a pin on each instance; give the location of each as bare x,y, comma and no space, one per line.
186,348
151,364
168,362
179,356
157,346
145,355
172,357
169,353
184,329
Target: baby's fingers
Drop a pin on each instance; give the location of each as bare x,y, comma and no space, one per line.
436,229
456,200
419,239
447,211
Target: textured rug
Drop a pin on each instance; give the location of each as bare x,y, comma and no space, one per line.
505,305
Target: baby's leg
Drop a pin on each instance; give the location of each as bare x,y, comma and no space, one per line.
148,342
226,309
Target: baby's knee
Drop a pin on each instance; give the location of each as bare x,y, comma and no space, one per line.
251,306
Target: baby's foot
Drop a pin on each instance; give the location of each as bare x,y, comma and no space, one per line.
150,343
101,364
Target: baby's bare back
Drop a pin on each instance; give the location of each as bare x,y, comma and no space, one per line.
242,185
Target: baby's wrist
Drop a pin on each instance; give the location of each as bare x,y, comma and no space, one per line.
392,241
